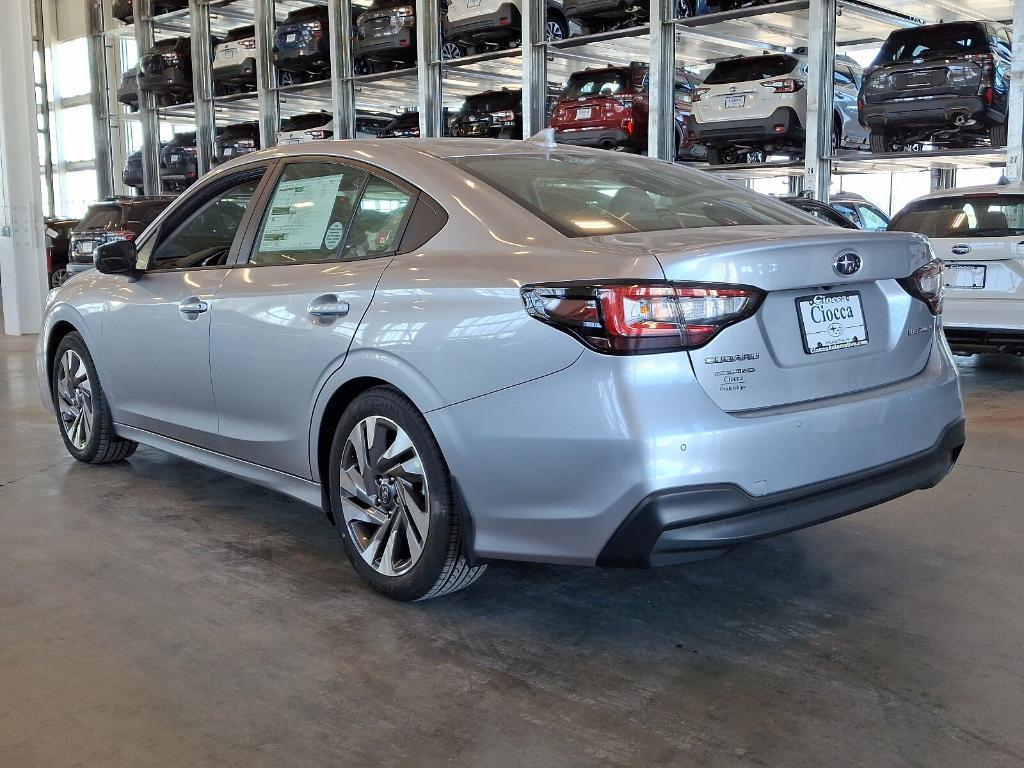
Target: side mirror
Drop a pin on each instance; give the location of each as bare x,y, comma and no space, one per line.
117,258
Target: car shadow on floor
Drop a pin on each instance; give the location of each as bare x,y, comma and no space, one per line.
778,591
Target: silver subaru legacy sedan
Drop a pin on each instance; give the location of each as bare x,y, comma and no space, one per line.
468,350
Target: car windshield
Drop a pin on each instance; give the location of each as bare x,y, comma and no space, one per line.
929,42
586,194
975,216
752,68
606,82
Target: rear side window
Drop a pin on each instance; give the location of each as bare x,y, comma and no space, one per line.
310,213
752,68
378,221
597,83
582,195
934,41
983,216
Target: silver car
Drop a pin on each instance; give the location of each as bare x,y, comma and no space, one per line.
467,350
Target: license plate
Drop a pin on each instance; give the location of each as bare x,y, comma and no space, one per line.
734,102
228,151
87,246
584,114
472,3
291,38
229,53
175,158
831,321
965,276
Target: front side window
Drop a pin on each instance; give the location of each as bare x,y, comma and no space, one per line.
377,222
309,215
582,195
205,237
982,216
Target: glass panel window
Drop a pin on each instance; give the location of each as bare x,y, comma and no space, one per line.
72,64
377,222
309,215
80,191
205,238
76,138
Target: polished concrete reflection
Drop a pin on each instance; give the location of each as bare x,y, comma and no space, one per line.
157,613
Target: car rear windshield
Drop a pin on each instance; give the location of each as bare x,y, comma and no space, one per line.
100,217
982,216
602,82
305,122
491,102
141,214
752,68
587,194
929,42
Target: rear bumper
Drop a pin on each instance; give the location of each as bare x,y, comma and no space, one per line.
300,58
587,8
168,81
684,524
593,137
974,340
609,436
782,125
502,23
244,71
399,45
936,111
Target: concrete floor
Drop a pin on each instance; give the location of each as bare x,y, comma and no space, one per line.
157,613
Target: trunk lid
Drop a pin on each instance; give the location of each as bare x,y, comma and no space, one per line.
775,358
982,267
930,78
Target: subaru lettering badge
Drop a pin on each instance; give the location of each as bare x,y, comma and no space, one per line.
847,264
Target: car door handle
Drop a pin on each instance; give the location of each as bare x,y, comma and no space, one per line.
192,307
328,305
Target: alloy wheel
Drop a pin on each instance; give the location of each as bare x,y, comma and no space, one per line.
59,277
450,51
384,495
553,31
75,399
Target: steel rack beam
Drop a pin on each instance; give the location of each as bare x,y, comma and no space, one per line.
343,95
202,84
1015,138
148,117
100,80
428,55
535,66
266,73
821,54
661,135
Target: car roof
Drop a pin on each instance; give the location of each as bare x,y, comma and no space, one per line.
987,189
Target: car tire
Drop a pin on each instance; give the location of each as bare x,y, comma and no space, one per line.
383,515
555,27
878,143
83,414
715,156
998,134
452,50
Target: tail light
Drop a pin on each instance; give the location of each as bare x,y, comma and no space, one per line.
990,95
786,85
322,134
121,234
503,116
313,26
624,319
248,44
559,113
927,285
699,94
627,126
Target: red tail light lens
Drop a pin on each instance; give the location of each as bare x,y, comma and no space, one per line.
122,234
626,319
699,94
786,85
927,285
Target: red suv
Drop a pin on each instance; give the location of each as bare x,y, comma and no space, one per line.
608,108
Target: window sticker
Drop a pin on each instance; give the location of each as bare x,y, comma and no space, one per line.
333,235
299,214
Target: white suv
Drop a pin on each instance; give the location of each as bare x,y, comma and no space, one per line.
979,233
234,61
749,107
470,24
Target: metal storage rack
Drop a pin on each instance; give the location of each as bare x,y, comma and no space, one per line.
824,27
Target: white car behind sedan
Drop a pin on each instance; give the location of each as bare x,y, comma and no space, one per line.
979,233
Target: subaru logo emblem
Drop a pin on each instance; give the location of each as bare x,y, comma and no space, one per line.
960,250
847,264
